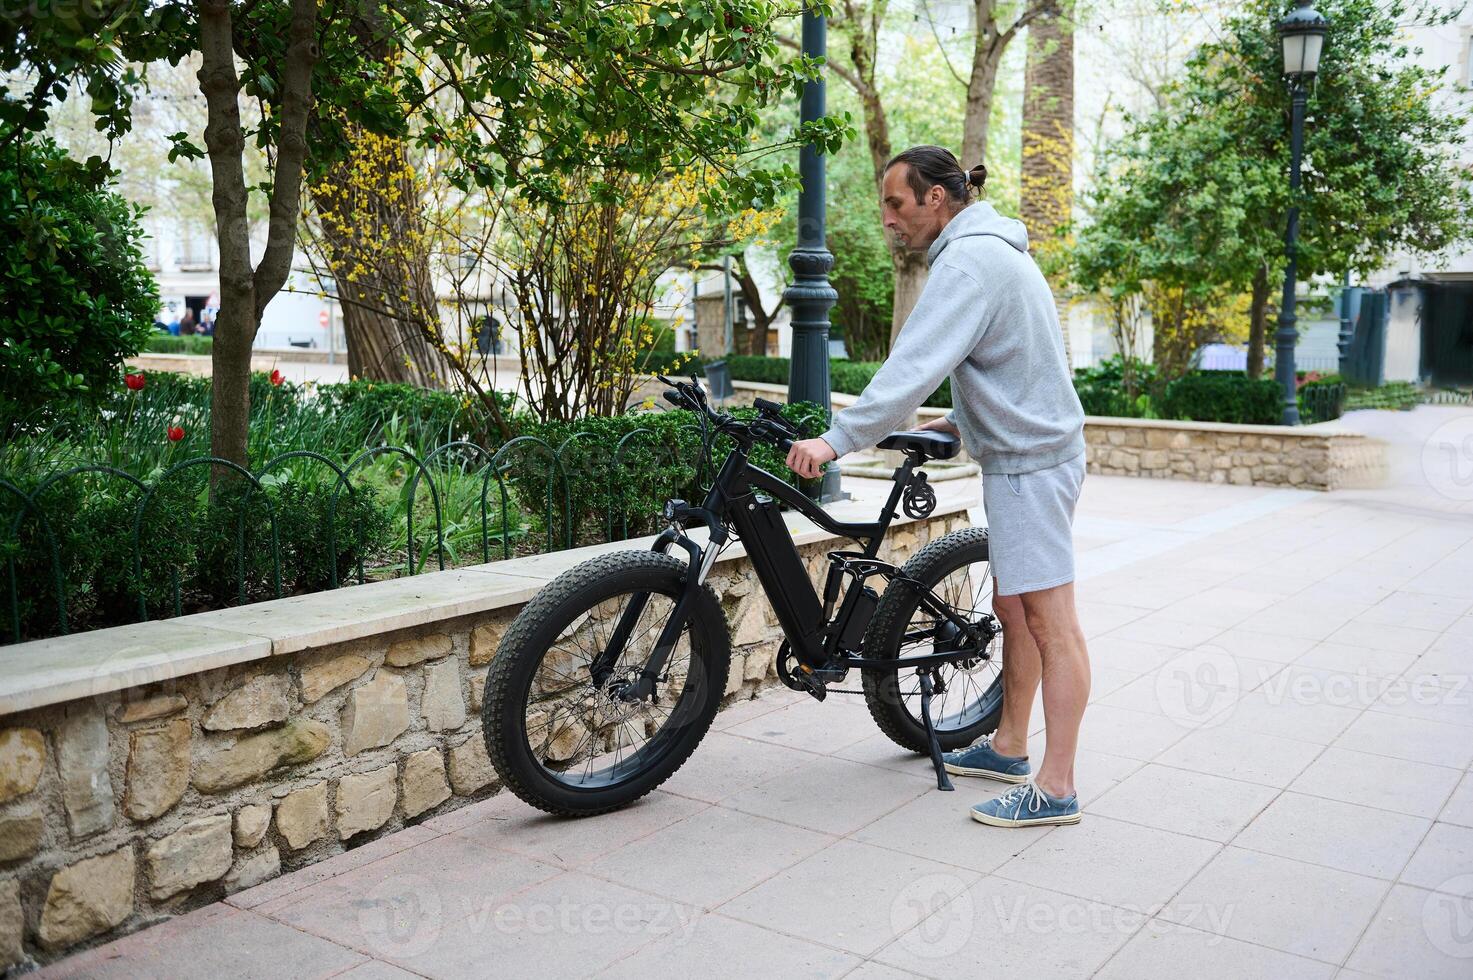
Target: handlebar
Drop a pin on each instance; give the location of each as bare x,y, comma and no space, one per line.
770,426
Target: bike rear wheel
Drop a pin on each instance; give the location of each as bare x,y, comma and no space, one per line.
957,569
571,747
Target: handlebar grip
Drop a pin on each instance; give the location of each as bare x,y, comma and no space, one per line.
763,405
674,398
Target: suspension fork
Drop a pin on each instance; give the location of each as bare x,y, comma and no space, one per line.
603,664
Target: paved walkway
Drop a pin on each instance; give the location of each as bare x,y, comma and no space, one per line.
1275,771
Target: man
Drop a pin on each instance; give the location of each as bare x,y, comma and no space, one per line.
987,319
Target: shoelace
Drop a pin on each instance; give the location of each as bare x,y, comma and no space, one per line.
1015,798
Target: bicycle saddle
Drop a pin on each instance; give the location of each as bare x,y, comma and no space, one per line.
926,443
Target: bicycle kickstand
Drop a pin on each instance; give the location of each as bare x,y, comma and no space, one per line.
943,781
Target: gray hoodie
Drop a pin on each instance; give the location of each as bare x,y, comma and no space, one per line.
987,319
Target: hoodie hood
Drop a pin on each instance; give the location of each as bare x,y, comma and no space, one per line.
978,218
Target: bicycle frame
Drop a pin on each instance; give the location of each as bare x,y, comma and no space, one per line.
809,625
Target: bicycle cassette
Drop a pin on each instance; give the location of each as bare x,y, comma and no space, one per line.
919,499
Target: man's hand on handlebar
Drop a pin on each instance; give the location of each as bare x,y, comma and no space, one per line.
807,457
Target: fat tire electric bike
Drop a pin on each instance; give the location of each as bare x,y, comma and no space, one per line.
610,676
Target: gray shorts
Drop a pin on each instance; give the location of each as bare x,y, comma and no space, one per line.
1030,520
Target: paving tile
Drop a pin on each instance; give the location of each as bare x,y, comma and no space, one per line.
1352,659
872,970
1111,861
708,859
1249,756
1417,694
1375,843
1101,617
1095,773
410,898
376,970
724,764
218,940
719,947
1459,809
570,925
1409,738
880,750
939,826
1184,802
1016,930
1266,712
1134,657
567,843
1286,905
1357,689
1373,780
1428,612
745,709
1443,861
811,726
1380,636
1417,933
1161,949
851,896
1195,686
1161,630
288,884
1245,641
1132,734
833,796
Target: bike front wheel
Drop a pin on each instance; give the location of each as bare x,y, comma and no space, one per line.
569,745
957,570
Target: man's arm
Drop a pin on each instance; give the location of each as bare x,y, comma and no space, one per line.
945,326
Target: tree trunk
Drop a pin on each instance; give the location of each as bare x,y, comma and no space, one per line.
1047,200
375,239
244,292
910,279
1258,322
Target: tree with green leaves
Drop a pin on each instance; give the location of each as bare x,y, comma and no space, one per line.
1192,202
527,91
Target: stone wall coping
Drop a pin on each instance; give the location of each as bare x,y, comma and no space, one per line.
81,665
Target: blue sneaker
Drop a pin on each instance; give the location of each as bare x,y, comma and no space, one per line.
982,760
1027,806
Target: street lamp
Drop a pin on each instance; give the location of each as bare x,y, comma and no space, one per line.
1302,33
810,296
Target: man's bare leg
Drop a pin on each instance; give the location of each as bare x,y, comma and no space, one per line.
1020,674
1054,625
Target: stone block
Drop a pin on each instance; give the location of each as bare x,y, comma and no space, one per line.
1155,459
443,704
484,641
158,769
478,688
20,835
12,924
300,740
322,678
1158,438
301,817
1115,437
424,785
376,713
22,757
81,758
407,653
470,767
365,801
251,822
150,709
87,898
1135,438
260,701
1240,475
199,851
253,869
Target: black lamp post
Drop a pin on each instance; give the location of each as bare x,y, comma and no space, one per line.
1303,35
810,296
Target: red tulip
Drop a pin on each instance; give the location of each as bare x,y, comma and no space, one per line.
134,382
277,377
176,433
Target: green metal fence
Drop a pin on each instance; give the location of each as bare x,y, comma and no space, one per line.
593,460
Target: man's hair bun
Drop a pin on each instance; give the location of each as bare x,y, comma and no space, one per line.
977,176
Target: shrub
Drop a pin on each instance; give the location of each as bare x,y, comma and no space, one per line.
75,295
162,343
1222,396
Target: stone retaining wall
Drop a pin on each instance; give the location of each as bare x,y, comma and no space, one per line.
160,796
